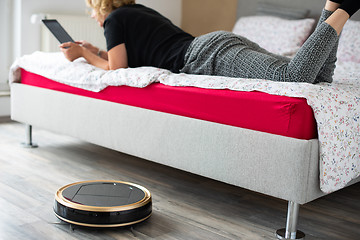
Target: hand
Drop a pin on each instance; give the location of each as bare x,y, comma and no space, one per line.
88,46
72,50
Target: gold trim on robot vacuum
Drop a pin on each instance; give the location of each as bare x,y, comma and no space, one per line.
60,199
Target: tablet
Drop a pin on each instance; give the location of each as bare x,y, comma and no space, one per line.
57,30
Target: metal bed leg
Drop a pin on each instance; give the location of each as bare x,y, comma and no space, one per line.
29,143
291,232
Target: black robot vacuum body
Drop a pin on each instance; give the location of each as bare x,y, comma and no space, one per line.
103,203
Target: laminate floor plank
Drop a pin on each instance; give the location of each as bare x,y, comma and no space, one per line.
185,206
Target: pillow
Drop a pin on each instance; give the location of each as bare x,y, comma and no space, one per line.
349,43
269,9
277,35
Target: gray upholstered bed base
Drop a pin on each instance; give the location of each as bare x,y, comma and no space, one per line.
278,166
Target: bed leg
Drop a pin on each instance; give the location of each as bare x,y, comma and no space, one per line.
29,143
291,232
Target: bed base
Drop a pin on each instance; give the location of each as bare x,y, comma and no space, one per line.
249,159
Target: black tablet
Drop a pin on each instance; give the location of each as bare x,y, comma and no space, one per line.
57,30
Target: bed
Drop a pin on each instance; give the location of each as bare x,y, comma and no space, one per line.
263,136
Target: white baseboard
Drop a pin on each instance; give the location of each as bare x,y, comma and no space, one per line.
4,105
4,87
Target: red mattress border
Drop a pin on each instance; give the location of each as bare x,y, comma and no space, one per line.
280,115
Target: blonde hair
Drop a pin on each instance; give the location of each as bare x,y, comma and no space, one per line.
107,6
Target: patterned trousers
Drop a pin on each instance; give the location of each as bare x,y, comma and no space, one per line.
226,54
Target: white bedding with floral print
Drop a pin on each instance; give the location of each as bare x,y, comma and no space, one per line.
336,106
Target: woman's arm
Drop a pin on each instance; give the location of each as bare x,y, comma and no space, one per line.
114,59
118,57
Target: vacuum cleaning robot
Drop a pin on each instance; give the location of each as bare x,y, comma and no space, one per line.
103,203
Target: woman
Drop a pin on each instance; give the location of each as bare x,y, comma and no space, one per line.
139,36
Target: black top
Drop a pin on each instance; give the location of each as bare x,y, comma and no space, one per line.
150,38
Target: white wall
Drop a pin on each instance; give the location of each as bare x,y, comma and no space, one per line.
5,39
169,8
28,35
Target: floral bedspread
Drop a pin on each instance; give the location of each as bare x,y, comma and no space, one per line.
336,106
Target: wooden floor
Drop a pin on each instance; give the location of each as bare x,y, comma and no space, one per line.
185,206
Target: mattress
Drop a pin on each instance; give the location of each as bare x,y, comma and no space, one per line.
280,115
